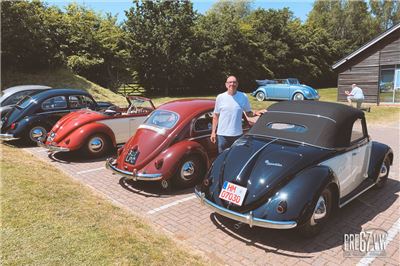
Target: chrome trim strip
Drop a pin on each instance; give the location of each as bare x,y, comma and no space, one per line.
296,113
110,164
251,158
7,137
52,148
355,196
245,218
199,137
154,128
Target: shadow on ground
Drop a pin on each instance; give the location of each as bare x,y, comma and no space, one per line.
348,220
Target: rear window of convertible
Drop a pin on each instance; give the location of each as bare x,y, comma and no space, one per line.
163,119
287,127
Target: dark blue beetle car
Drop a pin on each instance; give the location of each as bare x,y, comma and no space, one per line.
298,162
35,115
284,89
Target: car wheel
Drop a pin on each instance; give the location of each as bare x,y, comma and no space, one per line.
190,171
35,133
260,96
383,173
298,97
97,145
320,215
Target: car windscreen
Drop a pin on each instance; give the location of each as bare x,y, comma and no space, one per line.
162,118
16,97
25,102
294,81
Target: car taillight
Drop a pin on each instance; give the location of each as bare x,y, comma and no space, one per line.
158,163
13,125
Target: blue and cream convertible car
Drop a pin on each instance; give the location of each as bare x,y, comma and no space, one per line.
284,89
295,165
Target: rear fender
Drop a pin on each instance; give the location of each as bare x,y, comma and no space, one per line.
301,195
26,123
173,155
379,152
78,137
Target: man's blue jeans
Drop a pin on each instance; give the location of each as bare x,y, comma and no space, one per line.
225,142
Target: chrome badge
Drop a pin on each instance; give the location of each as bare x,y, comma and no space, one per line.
267,162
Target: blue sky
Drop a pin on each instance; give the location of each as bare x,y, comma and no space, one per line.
300,8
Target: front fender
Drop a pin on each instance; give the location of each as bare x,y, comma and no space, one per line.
379,151
301,195
173,155
76,138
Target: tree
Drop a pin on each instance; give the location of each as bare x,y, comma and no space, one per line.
161,41
387,13
28,35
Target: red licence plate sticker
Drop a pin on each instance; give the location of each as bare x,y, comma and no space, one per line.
233,193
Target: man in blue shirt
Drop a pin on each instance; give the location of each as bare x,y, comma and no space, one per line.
356,95
229,107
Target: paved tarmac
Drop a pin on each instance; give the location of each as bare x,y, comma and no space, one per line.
180,214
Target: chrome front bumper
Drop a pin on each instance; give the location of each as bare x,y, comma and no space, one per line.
52,148
7,137
245,218
111,162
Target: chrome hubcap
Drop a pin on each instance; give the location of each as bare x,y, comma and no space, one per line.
319,211
187,170
37,132
383,171
260,96
96,144
298,97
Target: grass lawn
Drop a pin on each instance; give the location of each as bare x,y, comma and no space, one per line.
378,114
48,219
61,78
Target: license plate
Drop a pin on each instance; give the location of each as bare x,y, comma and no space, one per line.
233,193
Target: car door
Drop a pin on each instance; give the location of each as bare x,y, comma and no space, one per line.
53,108
282,90
201,132
360,152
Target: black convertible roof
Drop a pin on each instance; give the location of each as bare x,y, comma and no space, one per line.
322,124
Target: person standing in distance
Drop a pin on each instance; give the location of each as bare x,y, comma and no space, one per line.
228,110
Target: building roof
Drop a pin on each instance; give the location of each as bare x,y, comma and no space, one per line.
366,46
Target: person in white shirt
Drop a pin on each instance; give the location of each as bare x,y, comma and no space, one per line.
356,95
229,107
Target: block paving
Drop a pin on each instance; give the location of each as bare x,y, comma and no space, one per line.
180,214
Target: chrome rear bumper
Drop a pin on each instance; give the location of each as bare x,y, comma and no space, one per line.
52,147
245,218
111,162
7,137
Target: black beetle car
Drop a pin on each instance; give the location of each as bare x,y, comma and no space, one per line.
298,162
33,116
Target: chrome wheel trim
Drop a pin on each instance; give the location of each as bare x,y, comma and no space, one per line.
298,97
260,96
96,144
37,133
187,170
319,211
383,172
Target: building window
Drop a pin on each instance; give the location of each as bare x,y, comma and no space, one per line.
389,83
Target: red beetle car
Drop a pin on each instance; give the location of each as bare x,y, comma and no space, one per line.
96,132
173,144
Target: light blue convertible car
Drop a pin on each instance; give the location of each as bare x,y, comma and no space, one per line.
284,89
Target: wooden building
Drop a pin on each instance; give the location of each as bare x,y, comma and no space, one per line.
374,67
